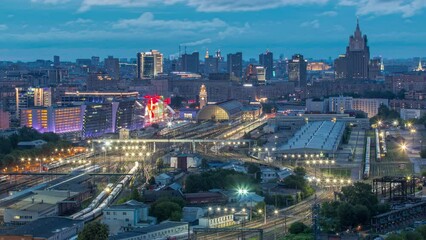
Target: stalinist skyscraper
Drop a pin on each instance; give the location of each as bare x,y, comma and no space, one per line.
355,63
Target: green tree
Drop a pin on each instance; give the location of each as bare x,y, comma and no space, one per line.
412,235
166,210
297,228
94,231
395,237
422,231
345,212
361,214
204,164
151,181
423,153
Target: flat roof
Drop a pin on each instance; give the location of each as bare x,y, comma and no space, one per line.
42,200
321,135
43,227
139,231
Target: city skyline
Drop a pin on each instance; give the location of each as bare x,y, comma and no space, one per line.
39,29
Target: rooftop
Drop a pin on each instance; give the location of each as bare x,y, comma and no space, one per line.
131,204
321,135
145,230
43,227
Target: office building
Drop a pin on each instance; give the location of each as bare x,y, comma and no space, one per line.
369,105
340,104
43,97
112,67
357,57
297,71
98,119
56,61
101,81
235,64
190,62
165,230
95,61
150,64
24,98
267,61
261,75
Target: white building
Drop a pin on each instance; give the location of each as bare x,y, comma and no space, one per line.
317,106
124,217
411,113
340,104
369,105
163,231
217,221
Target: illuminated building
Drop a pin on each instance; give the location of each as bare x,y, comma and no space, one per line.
203,96
235,64
112,67
369,105
156,108
24,98
261,75
127,114
150,64
224,111
420,67
297,70
43,97
267,61
60,120
97,119
318,66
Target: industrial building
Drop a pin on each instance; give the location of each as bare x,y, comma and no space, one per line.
315,137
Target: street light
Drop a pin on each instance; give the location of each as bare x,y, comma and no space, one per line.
403,147
244,192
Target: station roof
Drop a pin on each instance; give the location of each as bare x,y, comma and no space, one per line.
321,135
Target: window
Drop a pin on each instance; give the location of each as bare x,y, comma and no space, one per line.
127,219
124,213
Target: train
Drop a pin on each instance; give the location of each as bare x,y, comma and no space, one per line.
94,203
367,164
378,155
3,178
51,166
92,212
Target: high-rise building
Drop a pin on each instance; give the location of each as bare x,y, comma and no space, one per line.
203,96
190,62
235,64
24,98
43,97
56,61
150,64
101,81
112,67
267,61
340,67
297,70
95,61
357,57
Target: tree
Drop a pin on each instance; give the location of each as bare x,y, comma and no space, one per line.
94,231
412,235
394,237
252,168
422,231
160,163
423,153
204,164
151,181
297,228
361,214
345,213
135,195
166,210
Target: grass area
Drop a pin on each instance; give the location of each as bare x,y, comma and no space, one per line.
336,172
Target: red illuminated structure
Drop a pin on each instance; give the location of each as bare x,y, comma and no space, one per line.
156,108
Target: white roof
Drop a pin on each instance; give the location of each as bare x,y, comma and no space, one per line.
322,135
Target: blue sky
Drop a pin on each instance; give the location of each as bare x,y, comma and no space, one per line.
39,29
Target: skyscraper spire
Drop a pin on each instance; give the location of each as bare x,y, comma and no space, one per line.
420,67
357,23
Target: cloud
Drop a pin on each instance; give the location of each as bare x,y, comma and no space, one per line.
147,20
3,27
199,5
78,21
196,43
87,4
407,8
314,24
328,14
50,1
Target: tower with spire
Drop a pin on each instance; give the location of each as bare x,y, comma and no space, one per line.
355,63
420,67
203,96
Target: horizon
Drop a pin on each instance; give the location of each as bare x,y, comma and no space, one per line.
40,29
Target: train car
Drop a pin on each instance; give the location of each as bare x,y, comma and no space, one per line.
4,178
367,163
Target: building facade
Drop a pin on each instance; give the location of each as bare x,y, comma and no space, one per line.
235,64
150,64
297,72
267,61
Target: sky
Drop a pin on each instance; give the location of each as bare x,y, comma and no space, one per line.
318,29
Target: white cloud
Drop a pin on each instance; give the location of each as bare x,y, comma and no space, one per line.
197,43
147,20
50,1
314,24
3,27
79,21
407,8
328,14
87,4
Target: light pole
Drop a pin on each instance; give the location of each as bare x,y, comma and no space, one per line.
275,224
244,192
